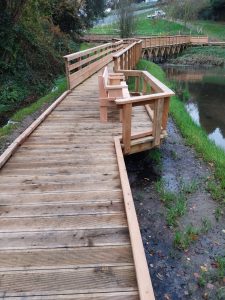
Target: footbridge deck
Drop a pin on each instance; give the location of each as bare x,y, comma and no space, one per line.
68,226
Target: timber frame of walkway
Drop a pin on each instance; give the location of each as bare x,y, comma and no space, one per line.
159,47
68,226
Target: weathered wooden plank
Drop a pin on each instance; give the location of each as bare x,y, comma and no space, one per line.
92,296
59,187
66,258
63,222
87,280
64,239
59,169
60,178
63,209
65,197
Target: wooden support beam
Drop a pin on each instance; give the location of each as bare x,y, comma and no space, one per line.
141,267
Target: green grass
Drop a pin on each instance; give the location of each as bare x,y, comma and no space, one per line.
85,46
144,26
175,202
182,240
60,87
110,29
194,135
213,29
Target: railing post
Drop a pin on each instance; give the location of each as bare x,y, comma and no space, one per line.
126,134
67,73
157,121
116,64
121,62
144,88
129,60
165,112
137,83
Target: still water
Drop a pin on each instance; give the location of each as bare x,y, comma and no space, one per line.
203,92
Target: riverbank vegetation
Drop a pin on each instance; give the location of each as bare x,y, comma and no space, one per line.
34,36
206,56
194,136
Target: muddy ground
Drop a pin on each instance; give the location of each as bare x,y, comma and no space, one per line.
179,271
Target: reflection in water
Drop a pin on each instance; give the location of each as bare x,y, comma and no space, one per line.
204,94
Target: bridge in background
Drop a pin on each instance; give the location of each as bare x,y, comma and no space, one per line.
158,47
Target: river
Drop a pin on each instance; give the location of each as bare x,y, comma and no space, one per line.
203,92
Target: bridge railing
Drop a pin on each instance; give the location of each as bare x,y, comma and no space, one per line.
199,40
155,97
158,41
83,64
127,58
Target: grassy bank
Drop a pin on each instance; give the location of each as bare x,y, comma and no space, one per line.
201,56
195,136
21,114
144,26
215,30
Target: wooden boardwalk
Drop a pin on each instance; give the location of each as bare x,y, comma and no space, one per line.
63,226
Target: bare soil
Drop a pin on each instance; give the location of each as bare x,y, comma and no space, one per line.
176,274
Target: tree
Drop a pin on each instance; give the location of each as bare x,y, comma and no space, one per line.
74,16
186,10
12,9
126,18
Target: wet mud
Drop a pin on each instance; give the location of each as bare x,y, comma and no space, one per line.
190,273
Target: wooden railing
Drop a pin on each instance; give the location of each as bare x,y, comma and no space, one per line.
158,41
199,40
153,41
155,98
127,58
83,64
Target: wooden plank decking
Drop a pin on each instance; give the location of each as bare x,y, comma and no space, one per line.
63,226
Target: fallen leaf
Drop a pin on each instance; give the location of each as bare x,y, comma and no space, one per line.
159,276
205,296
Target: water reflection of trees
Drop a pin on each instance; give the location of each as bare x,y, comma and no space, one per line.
211,105
207,92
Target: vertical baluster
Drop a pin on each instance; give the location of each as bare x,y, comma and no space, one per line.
165,112
67,73
126,135
157,121
144,88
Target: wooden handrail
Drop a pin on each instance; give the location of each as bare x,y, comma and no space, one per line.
127,58
158,99
118,54
142,100
82,64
